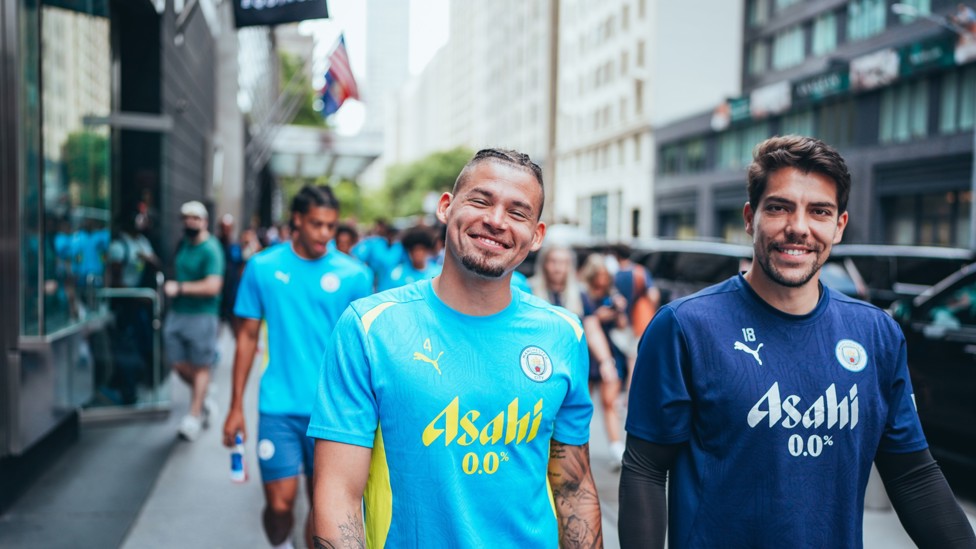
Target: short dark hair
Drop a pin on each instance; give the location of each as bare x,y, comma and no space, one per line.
346,228
311,195
417,236
504,156
806,154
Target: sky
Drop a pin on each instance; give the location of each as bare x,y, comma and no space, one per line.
428,32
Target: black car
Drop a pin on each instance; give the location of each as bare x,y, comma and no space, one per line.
893,272
682,267
940,328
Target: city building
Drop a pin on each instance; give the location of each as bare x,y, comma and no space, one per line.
627,67
891,85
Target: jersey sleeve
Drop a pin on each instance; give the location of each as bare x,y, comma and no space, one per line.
659,405
345,409
903,430
572,425
215,261
248,303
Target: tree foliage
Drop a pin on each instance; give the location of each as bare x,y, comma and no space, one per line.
86,159
306,115
407,185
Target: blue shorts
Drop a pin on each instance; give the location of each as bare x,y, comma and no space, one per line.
283,449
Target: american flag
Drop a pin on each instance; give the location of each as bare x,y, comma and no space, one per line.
339,81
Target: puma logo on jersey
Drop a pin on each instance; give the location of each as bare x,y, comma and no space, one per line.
739,346
432,361
282,276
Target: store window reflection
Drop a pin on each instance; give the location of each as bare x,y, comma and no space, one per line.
76,85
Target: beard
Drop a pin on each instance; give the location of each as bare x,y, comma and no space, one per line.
776,276
482,266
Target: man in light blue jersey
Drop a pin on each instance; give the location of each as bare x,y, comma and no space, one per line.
418,247
451,406
381,252
764,400
299,290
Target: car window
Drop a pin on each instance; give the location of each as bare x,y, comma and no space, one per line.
955,308
925,271
835,277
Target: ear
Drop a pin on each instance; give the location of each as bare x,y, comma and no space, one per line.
748,216
841,225
538,236
442,206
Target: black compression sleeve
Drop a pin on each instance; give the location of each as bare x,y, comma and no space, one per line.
923,500
643,519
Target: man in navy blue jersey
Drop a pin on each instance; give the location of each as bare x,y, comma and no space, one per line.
767,397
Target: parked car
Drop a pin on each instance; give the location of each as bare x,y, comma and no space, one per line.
940,329
898,272
682,267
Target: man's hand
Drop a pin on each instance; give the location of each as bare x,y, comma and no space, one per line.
232,425
171,288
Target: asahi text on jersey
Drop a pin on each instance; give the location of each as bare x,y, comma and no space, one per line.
790,411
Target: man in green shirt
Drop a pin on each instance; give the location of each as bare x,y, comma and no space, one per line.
190,332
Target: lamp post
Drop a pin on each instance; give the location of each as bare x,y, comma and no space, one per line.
946,22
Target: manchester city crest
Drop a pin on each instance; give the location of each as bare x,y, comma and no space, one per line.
851,355
329,282
536,364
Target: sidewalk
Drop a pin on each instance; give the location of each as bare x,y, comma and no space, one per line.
194,503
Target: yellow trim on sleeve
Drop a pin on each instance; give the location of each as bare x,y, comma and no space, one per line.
371,314
573,321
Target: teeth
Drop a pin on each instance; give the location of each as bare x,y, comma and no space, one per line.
490,241
795,252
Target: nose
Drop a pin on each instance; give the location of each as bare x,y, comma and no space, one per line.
495,217
798,224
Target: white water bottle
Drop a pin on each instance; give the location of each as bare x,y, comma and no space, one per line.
238,470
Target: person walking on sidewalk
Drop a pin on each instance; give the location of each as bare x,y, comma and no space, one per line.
453,404
298,289
190,331
768,396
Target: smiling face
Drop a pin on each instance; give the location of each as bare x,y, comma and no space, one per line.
313,230
793,229
492,220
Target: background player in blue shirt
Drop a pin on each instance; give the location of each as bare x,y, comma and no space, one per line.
768,396
299,291
453,403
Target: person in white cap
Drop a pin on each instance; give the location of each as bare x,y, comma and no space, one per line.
190,332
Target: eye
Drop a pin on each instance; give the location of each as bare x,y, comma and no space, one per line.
519,214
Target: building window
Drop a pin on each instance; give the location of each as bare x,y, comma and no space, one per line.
800,123
835,123
598,214
824,34
904,112
639,54
635,222
788,48
638,97
758,12
671,159
865,18
920,8
757,57
783,4
677,225
956,109
935,219
695,155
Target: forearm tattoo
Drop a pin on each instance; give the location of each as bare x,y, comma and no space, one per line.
351,535
575,495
